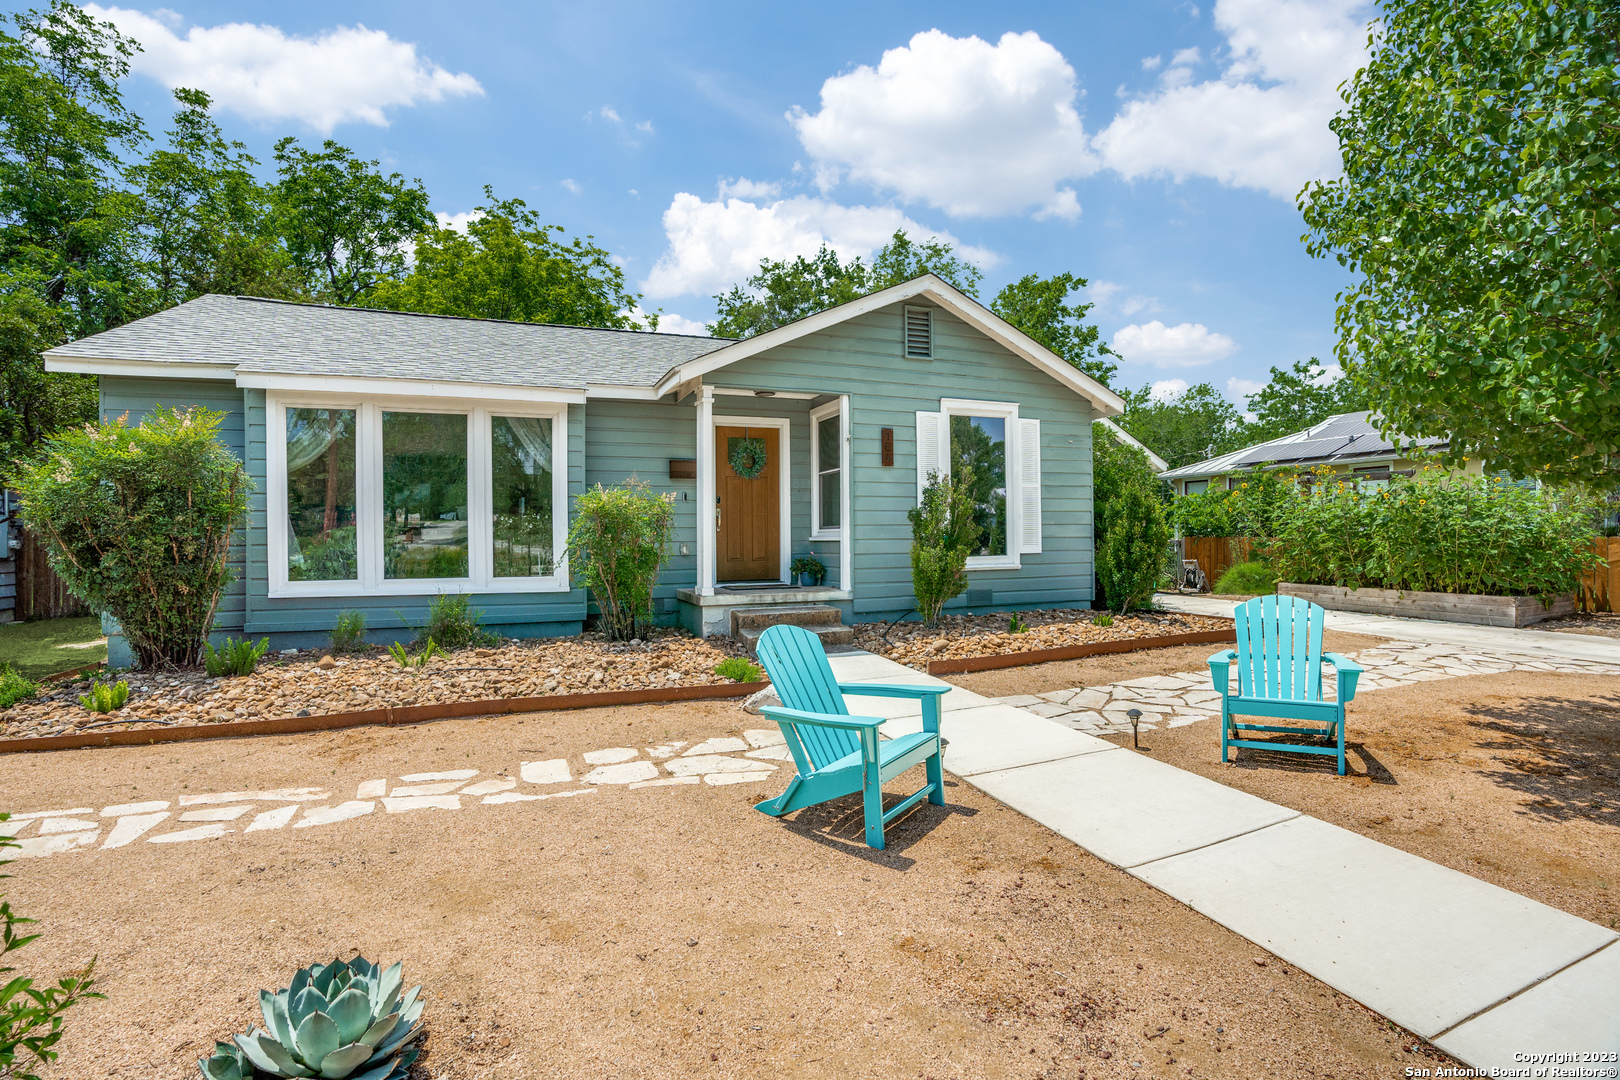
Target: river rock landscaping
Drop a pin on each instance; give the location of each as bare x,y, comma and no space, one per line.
308,683
961,636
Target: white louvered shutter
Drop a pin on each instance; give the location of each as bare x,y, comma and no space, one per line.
919,333
1029,487
929,426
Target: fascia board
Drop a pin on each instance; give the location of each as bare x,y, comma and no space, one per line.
157,369
342,384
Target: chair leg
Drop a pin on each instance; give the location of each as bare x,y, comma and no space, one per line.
936,780
1226,729
872,797
1340,726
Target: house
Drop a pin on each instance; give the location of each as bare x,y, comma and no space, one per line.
398,456
1348,443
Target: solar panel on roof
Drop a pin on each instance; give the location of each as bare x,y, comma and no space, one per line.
1309,448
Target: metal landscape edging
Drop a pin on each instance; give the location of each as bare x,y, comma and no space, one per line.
1074,652
390,717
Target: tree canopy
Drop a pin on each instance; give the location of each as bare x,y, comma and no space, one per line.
1478,207
1039,307
1183,428
1297,399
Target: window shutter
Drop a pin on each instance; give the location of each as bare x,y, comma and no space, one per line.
929,426
1029,487
919,333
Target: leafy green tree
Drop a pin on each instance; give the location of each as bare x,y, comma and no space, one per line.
943,535
33,402
1132,556
343,222
1297,399
1115,466
507,265
783,292
1480,210
618,542
1039,307
1183,428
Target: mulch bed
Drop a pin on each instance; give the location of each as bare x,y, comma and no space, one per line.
294,684
962,636
1595,623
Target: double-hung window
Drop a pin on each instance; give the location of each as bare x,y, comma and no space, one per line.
827,472
398,497
999,454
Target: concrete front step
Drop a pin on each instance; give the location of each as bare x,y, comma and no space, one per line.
830,636
805,615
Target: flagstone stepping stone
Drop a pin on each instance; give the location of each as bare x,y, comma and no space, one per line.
627,773
40,846
52,826
610,756
131,828
554,771
53,813
123,809
306,794
714,763
326,815
667,750
771,753
444,788
490,787
403,804
223,813
518,796
716,746
372,789
668,781
201,832
719,779
762,737
271,819
454,774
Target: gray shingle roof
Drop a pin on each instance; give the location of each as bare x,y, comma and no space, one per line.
1338,438
270,336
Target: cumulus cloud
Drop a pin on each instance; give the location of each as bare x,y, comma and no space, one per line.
1183,345
257,71
669,323
1167,389
1263,123
1109,298
572,186
744,188
972,128
714,245
1240,390
459,221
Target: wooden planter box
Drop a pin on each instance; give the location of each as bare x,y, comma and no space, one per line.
1446,607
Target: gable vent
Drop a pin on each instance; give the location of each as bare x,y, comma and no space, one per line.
920,333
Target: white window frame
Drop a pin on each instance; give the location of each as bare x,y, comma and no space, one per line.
817,415
369,488
1008,411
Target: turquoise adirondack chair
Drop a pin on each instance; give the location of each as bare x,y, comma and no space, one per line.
1279,658
838,754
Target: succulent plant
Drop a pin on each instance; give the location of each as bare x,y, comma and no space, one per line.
337,1020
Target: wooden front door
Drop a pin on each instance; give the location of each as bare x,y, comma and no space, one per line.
748,515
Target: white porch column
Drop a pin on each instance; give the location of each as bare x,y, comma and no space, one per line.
846,542
705,492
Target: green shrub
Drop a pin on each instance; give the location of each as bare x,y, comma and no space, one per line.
1131,558
233,658
1104,620
808,564
1204,513
738,669
30,1019
943,534
406,660
105,697
13,687
1247,579
619,540
138,523
453,623
349,632
1015,625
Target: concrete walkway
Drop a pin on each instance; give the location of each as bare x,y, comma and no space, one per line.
1483,973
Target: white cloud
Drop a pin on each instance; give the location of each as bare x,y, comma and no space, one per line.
611,115
1186,56
678,324
1183,345
644,126
259,72
1331,373
1263,123
744,188
971,128
1167,389
1239,390
459,221
608,112
572,186
1105,296
1149,63
714,245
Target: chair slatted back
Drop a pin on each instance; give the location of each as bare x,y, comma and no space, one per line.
797,664
1279,647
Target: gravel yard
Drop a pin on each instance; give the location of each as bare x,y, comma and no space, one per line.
298,685
960,636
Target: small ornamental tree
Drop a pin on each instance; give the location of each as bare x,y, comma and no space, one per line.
943,533
1131,557
138,522
619,541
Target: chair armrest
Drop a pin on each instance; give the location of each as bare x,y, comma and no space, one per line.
899,690
1349,671
799,716
1219,668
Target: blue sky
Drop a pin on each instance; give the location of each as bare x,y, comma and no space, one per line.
1153,148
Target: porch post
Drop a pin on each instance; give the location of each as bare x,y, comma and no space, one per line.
846,541
705,492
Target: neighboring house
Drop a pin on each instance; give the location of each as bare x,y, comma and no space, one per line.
1348,443
399,456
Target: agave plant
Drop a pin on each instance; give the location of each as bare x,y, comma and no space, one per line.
337,1020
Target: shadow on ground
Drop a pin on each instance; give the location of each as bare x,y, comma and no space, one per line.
841,825
1564,753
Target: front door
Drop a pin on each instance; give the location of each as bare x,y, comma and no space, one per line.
748,516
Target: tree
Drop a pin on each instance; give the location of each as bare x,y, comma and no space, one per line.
509,266
343,221
33,402
1297,399
618,542
943,535
1038,306
1131,559
1480,208
1183,428
783,292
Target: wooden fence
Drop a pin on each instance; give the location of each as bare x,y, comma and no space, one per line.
1600,588
40,594
1215,554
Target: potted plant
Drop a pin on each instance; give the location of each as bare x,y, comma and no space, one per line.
809,570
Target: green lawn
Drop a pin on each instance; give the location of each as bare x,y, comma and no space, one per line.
35,649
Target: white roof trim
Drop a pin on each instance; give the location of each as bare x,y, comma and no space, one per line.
89,365
946,296
373,387
616,392
1125,437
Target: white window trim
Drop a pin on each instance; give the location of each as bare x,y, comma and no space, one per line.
832,408
1007,410
368,496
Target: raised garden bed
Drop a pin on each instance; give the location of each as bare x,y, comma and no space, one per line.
1445,607
371,688
1055,634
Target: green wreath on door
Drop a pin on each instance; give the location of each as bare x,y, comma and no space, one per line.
748,458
